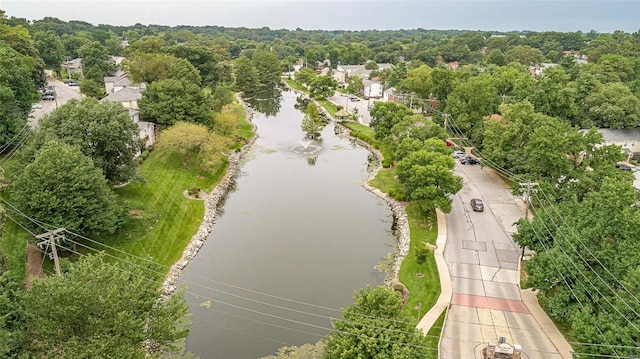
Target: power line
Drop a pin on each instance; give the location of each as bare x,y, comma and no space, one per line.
589,281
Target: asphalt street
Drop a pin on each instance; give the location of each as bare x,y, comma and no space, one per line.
63,93
483,263
361,105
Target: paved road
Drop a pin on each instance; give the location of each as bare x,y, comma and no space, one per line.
362,105
63,92
483,264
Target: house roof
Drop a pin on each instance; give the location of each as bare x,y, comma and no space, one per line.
72,64
366,82
125,95
620,135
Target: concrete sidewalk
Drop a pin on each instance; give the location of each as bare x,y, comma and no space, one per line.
444,299
531,301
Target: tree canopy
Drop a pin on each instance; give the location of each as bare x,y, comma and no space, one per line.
168,101
63,188
102,131
375,326
97,309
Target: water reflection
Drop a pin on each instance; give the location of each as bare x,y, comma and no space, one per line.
266,101
297,237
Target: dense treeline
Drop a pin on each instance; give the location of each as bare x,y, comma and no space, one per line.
584,204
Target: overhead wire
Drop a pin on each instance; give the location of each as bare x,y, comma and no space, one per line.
591,285
541,239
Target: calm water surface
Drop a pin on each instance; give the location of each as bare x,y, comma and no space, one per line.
294,240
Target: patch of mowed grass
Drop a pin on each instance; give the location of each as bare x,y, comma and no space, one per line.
162,220
423,289
387,182
297,86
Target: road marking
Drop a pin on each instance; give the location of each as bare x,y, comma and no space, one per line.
507,305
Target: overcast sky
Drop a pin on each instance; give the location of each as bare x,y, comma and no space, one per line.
498,15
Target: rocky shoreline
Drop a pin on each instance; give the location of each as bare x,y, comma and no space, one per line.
169,286
211,202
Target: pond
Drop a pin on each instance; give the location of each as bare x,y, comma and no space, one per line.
294,239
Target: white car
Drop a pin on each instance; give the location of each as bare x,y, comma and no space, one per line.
459,154
36,105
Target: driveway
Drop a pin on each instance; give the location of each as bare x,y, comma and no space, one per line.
364,117
483,263
63,93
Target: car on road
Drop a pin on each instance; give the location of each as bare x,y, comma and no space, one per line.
459,154
36,105
71,83
47,97
354,98
469,160
477,205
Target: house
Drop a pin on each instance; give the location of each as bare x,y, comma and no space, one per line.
127,96
627,138
343,72
391,95
119,81
146,129
372,89
453,65
73,66
119,90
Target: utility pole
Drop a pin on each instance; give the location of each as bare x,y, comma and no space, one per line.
49,239
446,117
529,184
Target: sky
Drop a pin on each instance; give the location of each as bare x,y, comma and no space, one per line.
486,15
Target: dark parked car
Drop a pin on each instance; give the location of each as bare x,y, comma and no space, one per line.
469,161
624,167
477,205
47,97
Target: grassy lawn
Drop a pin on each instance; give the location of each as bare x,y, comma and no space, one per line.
162,219
425,289
297,86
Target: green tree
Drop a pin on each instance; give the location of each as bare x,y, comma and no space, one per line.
427,176
322,87
469,102
247,77
312,124
95,55
375,326
91,88
524,54
421,252
354,84
371,65
103,131
62,187
50,48
204,59
166,102
613,105
385,115
268,67
306,76
195,143
97,309
222,96
419,81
